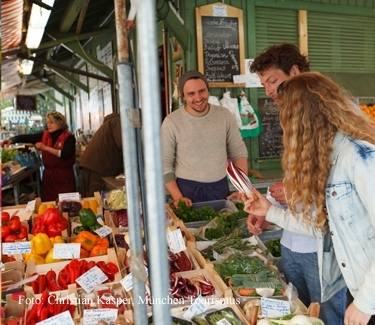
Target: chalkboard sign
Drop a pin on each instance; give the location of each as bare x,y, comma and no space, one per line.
220,44
271,139
26,103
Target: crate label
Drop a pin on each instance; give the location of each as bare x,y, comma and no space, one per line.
274,307
66,251
176,241
127,282
30,206
20,247
61,319
103,231
69,196
92,316
223,322
91,278
199,306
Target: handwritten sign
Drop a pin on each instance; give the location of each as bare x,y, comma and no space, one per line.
103,231
91,278
176,241
61,319
66,251
127,281
199,306
21,247
271,139
92,316
30,206
69,196
274,307
220,44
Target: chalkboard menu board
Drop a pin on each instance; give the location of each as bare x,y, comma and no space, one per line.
271,139
26,103
220,43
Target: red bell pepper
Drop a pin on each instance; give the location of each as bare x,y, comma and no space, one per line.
43,314
32,314
90,265
74,270
14,223
51,281
50,216
42,282
22,233
51,302
109,269
34,284
53,230
43,302
63,279
83,266
39,227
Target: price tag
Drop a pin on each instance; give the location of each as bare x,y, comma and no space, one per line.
176,241
274,307
91,278
199,306
238,79
127,282
92,316
30,206
223,322
103,231
61,319
66,251
69,196
20,247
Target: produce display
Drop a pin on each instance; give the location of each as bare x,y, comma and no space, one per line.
12,229
368,110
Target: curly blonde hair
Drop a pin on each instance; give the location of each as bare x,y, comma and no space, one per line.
312,109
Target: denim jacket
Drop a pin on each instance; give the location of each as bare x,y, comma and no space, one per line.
350,200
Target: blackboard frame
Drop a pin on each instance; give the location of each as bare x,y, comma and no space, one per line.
26,103
208,10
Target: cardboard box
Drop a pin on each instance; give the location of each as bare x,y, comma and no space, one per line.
15,304
57,267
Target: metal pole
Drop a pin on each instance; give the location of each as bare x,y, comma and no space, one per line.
151,108
130,159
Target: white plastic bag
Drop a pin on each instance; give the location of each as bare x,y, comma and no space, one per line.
249,119
232,105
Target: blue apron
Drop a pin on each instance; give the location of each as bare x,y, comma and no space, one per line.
201,192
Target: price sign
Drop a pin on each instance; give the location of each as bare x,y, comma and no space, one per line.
274,307
21,247
176,241
91,278
103,231
127,281
61,319
69,196
30,206
66,251
199,306
92,316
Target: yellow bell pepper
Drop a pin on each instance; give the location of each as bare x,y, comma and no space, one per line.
41,209
32,256
49,257
57,239
40,244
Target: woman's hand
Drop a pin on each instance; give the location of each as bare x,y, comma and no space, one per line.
187,201
6,143
278,193
40,146
353,316
257,205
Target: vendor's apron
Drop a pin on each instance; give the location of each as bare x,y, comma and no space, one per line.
58,174
201,192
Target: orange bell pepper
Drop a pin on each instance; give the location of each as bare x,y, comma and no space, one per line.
88,235
103,242
86,244
98,250
84,253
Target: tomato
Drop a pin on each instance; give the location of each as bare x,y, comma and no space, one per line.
14,223
10,239
5,231
5,216
22,233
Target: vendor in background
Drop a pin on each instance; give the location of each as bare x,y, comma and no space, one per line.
58,147
102,156
274,65
197,140
329,164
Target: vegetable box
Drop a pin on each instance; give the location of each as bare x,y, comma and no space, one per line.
31,268
275,260
70,293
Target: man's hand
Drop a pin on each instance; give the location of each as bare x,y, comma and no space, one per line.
353,316
255,224
278,193
235,195
185,199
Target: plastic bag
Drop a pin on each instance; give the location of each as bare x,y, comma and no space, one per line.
250,122
232,105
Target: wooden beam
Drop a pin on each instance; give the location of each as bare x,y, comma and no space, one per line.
70,14
302,32
82,15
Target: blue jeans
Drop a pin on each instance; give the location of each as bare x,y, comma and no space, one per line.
301,269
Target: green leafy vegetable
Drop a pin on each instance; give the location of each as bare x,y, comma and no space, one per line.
273,247
189,214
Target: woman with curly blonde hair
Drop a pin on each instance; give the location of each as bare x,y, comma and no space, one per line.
329,161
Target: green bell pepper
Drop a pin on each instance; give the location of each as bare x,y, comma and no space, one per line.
87,217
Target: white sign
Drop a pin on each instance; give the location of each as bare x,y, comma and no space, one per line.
199,306
219,11
103,231
69,197
61,319
20,247
176,241
93,316
91,278
127,281
20,283
274,307
253,80
30,206
66,251
239,79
